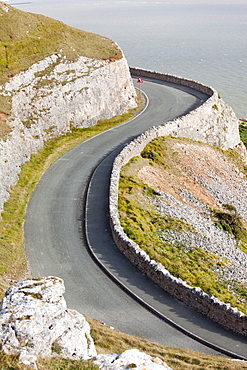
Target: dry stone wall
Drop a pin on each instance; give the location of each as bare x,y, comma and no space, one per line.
214,123
51,97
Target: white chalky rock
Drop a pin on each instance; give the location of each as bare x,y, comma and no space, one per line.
34,320
130,359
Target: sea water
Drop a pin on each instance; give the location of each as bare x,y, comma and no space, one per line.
199,40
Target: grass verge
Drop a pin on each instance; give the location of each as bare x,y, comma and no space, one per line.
106,339
13,264
110,340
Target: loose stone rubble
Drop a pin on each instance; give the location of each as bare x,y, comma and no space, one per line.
206,180
206,171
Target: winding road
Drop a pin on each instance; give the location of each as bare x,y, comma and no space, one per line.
57,236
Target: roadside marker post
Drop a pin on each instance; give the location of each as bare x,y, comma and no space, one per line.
140,81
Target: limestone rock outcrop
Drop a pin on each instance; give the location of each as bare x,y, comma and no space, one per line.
130,359
35,321
53,96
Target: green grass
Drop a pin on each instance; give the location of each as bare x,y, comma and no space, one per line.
144,225
243,133
231,222
11,362
107,340
27,38
13,266
12,254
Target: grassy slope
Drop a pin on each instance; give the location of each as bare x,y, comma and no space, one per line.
108,340
243,132
142,223
28,38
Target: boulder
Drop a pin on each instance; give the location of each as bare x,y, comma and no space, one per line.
35,321
130,359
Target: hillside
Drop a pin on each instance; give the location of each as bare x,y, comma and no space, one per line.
53,78
184,203
27,38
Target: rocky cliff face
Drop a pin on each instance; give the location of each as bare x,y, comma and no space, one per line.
54,95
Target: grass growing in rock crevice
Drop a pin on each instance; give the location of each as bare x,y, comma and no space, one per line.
243,132
231,222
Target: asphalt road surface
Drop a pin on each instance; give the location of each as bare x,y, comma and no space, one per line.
56,243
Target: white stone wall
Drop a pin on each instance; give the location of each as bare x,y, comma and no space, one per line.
53,95
213,123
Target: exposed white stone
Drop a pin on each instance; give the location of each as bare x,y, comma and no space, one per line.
28,360
4,7
47,104
130,359
35,321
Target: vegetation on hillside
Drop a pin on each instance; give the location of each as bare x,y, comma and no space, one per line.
26,38
144,225
12,253
243,132
108,340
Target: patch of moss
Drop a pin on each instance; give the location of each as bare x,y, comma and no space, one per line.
55,347
215,107
243,133
230,222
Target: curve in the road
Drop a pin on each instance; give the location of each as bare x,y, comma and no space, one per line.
138,286
55,240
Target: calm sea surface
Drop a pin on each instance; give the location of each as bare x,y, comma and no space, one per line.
207,43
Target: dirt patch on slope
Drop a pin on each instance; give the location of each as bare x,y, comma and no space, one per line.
197,184
204,171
